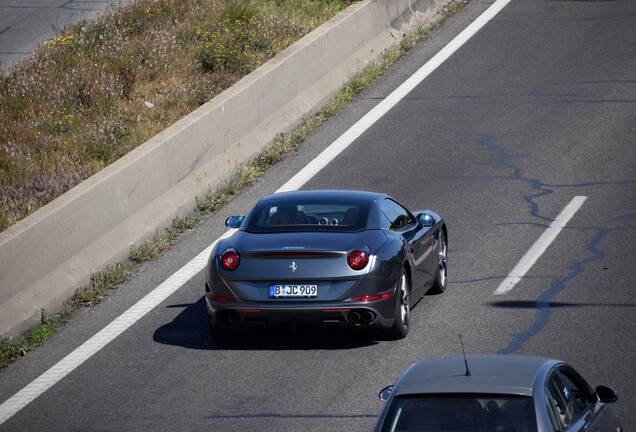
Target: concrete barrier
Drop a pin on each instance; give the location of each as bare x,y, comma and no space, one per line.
46,256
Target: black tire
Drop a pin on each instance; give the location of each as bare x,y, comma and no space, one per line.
400,327
441,274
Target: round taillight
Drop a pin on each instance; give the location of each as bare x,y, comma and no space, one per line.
230,260
358,259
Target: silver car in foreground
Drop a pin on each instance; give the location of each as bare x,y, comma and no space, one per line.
495,393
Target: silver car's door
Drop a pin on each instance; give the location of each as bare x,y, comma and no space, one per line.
578,409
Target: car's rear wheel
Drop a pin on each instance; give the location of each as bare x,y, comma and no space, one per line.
400,327
439,286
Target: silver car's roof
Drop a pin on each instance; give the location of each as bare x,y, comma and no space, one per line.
503,374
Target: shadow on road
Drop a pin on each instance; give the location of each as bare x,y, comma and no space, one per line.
190,330
293,416
533,304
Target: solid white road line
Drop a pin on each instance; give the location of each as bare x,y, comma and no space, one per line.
176,281
385,105
540,246
107,334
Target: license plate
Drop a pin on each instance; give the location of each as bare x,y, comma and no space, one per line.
293,290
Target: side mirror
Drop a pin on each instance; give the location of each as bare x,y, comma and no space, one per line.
426,220
234,221
385,393
606,394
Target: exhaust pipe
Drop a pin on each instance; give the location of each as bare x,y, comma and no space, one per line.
367,317
354,317
233,318
228,317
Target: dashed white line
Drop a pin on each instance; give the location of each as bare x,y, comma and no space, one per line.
540,246
176,281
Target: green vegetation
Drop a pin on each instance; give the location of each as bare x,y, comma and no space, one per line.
9,351
102,88
104,282
287,142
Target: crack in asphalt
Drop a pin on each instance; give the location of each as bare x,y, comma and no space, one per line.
505,159
543,302
576,268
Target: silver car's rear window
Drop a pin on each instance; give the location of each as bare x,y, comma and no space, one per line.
309,215
465,413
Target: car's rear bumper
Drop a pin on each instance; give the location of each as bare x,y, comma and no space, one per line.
268,316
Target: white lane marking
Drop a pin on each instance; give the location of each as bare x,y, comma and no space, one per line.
540,246
106,335
396,96
176,281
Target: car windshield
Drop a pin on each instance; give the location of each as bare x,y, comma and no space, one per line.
313,214
465,413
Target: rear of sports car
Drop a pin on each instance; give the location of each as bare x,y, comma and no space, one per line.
301,280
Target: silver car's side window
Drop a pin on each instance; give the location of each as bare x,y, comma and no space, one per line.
551,408
567,398
578,392
559,397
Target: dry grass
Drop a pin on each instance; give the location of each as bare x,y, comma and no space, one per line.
107,280
100,89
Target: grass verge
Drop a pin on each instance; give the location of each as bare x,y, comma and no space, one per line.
103,283
104,87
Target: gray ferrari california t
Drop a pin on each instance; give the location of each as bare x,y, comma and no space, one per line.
325,259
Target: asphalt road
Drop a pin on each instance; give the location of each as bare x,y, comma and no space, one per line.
26,24
538,108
